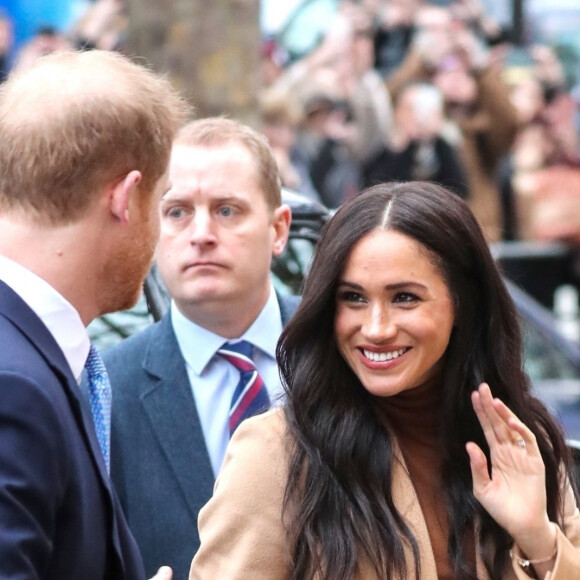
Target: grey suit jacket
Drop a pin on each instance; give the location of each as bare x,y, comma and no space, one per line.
159,461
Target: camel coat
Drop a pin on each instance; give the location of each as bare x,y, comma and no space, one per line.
241,530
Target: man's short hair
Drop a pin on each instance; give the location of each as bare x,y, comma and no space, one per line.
72,123
216,131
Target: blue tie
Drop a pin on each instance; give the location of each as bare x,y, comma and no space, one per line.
100,398
251,396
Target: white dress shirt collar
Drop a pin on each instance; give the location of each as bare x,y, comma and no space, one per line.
198,345
57,314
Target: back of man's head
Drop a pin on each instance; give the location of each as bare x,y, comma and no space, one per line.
76,121
218,131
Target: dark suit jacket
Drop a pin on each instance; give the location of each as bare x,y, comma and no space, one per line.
58,515
159,461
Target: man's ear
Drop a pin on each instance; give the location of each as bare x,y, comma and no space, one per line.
120,196
281,222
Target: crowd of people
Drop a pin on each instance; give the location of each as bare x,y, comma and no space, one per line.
398,90
382,425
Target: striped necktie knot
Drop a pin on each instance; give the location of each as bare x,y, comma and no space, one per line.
250,396
239,354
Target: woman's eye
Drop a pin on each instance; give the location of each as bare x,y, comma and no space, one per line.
406,297
349,296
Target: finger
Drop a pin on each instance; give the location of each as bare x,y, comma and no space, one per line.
523,433
497,423
479,411
503,410
518,430
483,416
478,465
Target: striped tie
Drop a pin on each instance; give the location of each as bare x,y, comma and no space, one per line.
250,397
100,398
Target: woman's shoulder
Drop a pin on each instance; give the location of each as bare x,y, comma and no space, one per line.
240,528
271,424
263,436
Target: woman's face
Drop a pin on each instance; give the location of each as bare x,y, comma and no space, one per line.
394,313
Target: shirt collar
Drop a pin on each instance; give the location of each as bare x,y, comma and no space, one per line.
57,314
265,330
198,345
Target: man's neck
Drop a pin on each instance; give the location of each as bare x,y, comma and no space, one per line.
230,321
58,255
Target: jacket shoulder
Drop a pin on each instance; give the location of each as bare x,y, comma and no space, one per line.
288,305
137,343
148,349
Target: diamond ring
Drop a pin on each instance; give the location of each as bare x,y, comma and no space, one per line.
521,443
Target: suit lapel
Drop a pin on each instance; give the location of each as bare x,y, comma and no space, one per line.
169,404
40,338
18,312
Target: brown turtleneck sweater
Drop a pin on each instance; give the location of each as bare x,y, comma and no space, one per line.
412,415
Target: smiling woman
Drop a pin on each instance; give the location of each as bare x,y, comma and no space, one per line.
391,457
392,323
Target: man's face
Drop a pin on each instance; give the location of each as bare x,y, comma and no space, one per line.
218,234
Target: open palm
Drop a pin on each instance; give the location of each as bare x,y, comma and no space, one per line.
515,493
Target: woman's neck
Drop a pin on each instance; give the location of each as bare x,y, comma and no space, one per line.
415,411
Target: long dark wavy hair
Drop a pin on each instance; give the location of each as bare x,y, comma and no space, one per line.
338,506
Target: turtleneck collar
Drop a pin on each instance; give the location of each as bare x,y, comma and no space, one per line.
414,412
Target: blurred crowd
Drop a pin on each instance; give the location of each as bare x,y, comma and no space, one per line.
407,89
102,25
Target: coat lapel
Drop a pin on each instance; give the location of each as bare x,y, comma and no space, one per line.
407,502
169,404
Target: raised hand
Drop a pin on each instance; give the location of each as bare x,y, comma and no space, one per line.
515,493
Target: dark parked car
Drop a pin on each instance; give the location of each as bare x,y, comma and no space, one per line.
552,361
